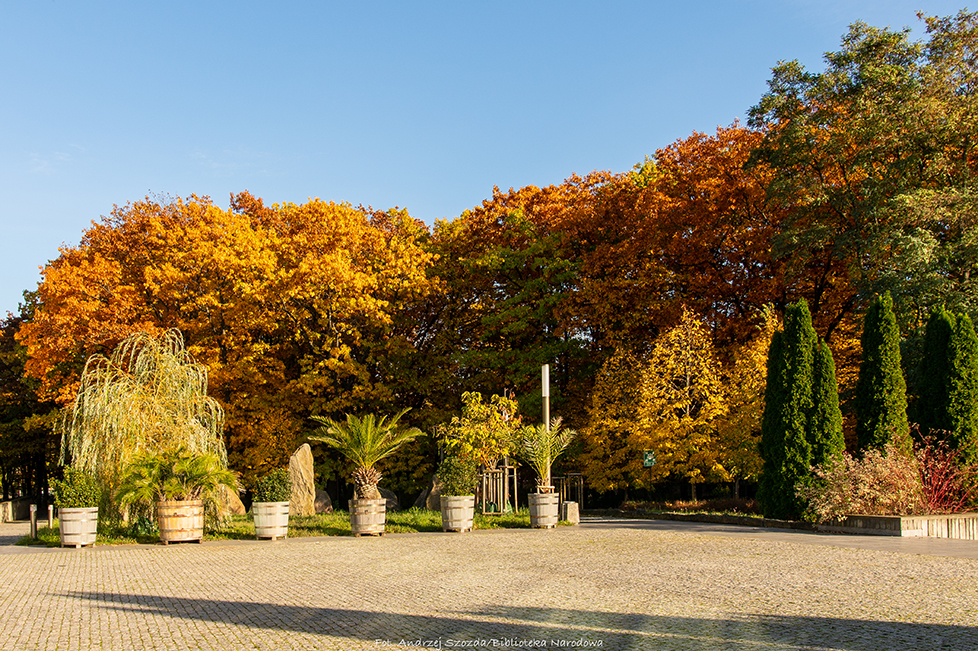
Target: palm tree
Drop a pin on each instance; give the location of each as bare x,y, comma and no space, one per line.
174,474
539,445
365,441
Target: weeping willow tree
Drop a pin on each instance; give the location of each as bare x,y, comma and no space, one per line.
149,396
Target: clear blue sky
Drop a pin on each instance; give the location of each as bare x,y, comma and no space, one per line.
423,105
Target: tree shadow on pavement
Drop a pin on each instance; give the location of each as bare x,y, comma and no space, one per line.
532,627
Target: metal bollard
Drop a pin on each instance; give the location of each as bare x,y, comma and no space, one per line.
50,516
34,521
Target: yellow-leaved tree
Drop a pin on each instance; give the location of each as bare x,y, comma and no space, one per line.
611,442
739,430
682,399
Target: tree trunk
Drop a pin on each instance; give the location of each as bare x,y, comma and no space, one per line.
692,491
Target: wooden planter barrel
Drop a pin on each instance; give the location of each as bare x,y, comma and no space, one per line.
78,527
544,510
457,512
271,519
180,520
367,517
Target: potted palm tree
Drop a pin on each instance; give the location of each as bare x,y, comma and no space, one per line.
538,446
364,442
77,497
177,482
458,478
271,506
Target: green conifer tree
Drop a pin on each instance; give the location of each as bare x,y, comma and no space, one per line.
786,444
930,406
825,425
881,391
772,433
962,397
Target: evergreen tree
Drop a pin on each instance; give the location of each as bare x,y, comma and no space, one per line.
930,407
785,438
962,395
881,391
772,435
825,425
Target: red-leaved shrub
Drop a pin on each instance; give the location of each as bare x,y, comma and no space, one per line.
949,485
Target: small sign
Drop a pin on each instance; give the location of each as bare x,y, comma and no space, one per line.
648,458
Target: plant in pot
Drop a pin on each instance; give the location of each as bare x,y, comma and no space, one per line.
149,394
538,446
271,505
77,497
485,433
364,442
178,482
457,476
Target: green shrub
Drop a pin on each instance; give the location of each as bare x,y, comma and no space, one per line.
457,476
276,486
78,490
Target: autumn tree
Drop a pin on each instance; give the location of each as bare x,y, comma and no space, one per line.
290,307
682,399
739,430
873,157
612,441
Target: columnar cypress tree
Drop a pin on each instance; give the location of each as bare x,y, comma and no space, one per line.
930,408
962,396
881,391
784,431
772,435
825,425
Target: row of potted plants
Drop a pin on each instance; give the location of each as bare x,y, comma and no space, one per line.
177,482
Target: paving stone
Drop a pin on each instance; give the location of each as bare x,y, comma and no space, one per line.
604,584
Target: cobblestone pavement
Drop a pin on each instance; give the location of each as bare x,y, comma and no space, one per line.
609,585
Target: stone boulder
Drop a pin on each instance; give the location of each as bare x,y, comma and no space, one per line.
392,503
228,502
433,500
323,503
303,482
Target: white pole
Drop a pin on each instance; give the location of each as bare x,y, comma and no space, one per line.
546,396
546,417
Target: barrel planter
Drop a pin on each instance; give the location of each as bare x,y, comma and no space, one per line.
367,517
180,520
78,527
457,512
271,519
544,510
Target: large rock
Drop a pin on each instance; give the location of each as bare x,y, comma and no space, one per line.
434,495
230,503
303,482
323,503
392,504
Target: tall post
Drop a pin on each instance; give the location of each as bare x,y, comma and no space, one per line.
546,418
546,396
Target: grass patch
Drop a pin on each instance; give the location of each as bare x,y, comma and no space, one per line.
242,527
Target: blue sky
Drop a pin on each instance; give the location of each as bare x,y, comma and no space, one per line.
422,105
